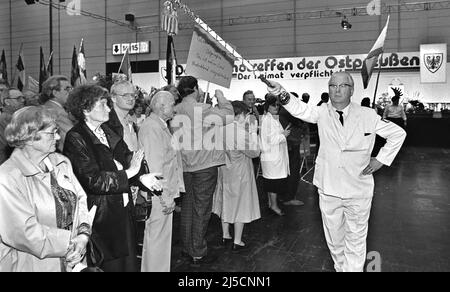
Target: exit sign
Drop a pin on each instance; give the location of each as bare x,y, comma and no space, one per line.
133,48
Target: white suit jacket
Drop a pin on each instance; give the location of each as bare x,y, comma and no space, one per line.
345,150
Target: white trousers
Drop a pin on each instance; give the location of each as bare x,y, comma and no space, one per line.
157,247
345,224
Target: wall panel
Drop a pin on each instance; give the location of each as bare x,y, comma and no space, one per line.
282,38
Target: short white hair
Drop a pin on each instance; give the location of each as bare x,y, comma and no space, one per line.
350,78
158,97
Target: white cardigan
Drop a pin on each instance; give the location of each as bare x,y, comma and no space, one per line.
274,150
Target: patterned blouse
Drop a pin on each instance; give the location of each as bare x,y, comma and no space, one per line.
65,204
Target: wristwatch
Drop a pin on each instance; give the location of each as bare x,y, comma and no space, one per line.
285,97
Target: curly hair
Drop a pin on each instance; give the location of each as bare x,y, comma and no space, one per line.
26,123
83,98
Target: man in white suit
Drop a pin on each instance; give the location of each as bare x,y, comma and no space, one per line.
344,168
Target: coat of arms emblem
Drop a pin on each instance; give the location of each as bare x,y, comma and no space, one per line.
433,61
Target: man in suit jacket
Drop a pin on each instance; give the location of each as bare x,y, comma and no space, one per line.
55,92
157,143
344,166
123,97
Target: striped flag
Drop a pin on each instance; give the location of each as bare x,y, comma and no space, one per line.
75,70
82,64
372,58
171,61
125,66
20,66
169,19
48,64
3,68
33,85
43,74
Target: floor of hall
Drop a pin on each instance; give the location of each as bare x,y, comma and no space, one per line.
409,226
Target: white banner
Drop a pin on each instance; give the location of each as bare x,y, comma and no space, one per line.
433,63
307,68
208,60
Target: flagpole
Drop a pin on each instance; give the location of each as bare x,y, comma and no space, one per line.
15,67
206,93
123,59
50,13
378,79
49,60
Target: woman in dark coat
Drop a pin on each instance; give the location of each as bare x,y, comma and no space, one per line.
105,168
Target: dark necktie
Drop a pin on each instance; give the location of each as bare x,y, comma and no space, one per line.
341,117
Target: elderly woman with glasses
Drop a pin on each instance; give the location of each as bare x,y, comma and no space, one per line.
106,169
44,222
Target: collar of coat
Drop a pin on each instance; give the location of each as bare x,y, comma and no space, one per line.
27,167
115,124
54,104
160,121
111,136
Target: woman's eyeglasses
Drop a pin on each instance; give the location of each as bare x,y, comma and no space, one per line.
53,133
68,88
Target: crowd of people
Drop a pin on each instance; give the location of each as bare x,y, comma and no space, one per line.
75,165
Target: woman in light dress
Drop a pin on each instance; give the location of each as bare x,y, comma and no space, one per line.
236,196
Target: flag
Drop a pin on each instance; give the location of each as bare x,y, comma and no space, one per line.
169,19
125,66
75,71
372,58
48,64
169,23
82,64
43,74
3,69
171,61
20,66
33,85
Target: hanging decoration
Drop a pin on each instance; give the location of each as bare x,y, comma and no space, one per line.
169,19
